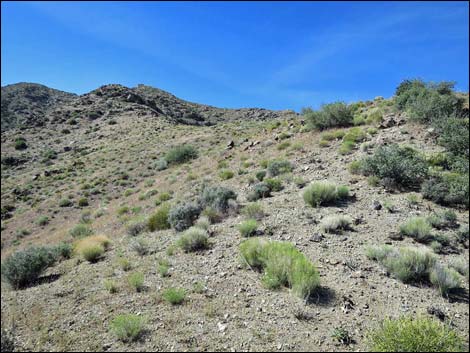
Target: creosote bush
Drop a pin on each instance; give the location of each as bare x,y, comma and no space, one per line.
181,154
409,334
283,265
336,114
128,327
399,166
217,197
324,193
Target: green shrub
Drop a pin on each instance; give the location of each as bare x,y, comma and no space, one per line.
417,228
225,174
182,216
159,220
260,175
217,197
65,202
407,264
355,167
324,193
163,267
408,334
140,246
253,211
181,154
83,202
63,250
212,215
174,296
444,278
128,327
355,134
346,147
92,252
136,227
110,286
161,164
443,220
124,264
248,228
283,265
136,281
448,189
336,224
401,166
24,267
283,145
359,120
274,184
260,191
193,239
80,231
279,167
42,220
20,143
203,223
336,114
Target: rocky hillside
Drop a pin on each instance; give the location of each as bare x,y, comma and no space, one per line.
28,104
141,222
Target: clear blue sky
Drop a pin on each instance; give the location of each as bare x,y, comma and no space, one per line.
279,55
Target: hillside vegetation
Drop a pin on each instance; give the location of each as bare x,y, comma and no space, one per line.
133,220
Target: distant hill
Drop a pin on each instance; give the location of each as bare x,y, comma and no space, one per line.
29,105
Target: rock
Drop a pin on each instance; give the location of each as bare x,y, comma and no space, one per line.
395,236
230,144
376,205
317,237
221,327
432,310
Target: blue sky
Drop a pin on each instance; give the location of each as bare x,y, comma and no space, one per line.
278,55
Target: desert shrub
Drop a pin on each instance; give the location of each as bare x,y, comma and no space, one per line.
374,116
443,220
460,265
42,220
279,167
412,265
336,224
203,223
110,286
454,136
128,327
253,210
355,167
336,114
260,175
346,147
20,143
283,265
225,174
83,202
124,263
324,193
448,189
7,342
248,228
217,197
355,135
63,250
161,164
24,267
140,246
136,227
181,154
402,166
65,202
193,239
260,191
408,334
174,296
274,184
163,267
136,281
80,231
417,228
182,216
444,278
93,247
359,120
212,215
159,220
283,145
